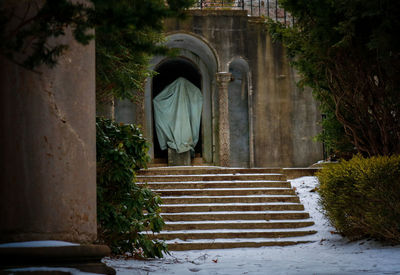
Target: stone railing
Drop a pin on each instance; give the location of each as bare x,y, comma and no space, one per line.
266,8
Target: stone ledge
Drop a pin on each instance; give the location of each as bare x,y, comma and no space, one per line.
292,173
86,258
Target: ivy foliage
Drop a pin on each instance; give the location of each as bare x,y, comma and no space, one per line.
124,209
361,197
348,52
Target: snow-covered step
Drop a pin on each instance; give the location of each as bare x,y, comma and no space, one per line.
206,208
210,177
236,215
236,225
225,191
221,234
217,184
180,246
178,208
215,243
229,199
206,170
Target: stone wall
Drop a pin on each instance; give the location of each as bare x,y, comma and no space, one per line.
282,120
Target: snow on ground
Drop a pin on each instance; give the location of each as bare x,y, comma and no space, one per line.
329,254
49,243
47,270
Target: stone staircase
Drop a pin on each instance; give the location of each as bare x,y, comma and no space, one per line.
214,208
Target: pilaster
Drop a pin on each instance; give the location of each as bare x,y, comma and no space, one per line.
223,79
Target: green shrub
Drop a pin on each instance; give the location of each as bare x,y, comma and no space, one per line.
361,197
124,209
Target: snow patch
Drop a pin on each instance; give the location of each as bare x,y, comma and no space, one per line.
238,196
72,271
236,204
238,221
226,189
39,244
235,231
208,175
212,182
233,212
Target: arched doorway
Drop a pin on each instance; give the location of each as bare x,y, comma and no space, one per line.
168,71
195,52
239,114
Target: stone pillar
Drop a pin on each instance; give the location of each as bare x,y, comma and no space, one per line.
48,149
223,79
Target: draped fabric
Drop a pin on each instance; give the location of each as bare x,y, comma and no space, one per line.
177,114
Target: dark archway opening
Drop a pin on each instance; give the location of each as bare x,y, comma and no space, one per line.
168,71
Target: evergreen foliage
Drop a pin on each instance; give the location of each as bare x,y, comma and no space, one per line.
28,29
337,144
348,52
361,197
128,32
124,209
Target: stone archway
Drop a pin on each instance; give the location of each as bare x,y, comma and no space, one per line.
197,54
168,71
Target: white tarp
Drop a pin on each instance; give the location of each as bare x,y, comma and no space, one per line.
177,113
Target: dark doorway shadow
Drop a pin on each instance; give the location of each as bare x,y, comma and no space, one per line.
168,71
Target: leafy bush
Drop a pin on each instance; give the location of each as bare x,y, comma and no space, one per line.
124,209
361,197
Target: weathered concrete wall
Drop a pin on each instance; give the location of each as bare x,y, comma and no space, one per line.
225,30
125,111
284,120
48,157
306,121
281,119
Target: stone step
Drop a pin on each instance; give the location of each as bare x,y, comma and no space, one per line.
206,170
228,199
196,235
225,192
217,184
225,216
215,207
181,246
161,163
235,225
181,208
216,177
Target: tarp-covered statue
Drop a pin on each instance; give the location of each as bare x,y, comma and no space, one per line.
177,113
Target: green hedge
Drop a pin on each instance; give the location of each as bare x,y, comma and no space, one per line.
361,197
124,209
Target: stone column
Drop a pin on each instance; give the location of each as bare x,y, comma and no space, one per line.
223,79
48,148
